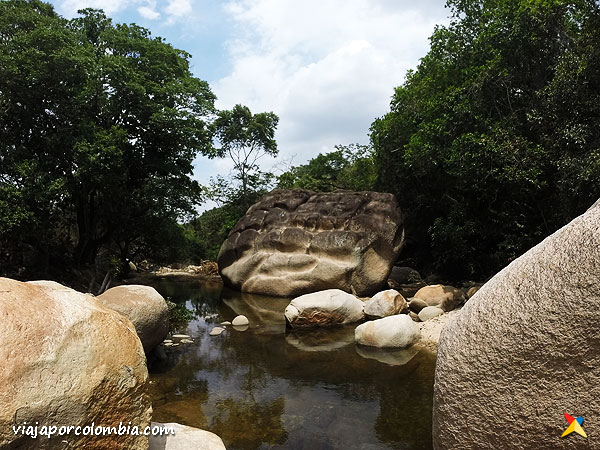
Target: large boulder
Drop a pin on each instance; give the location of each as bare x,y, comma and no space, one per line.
324,308
525,350
314,241
145,307
67,360
444,297
398,331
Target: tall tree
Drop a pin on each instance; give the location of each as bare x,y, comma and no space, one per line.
246,138
99,125
492,142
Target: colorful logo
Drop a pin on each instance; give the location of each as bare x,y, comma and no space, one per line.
574,426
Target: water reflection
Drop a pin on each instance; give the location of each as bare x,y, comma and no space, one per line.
268,388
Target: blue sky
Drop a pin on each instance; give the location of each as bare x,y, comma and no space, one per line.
327,68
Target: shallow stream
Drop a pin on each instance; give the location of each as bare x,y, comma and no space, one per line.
272,388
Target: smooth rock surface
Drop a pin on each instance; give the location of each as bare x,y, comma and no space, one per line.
324,308
416,304
145,307
185,438
526,349
294,242
385,303
398,331
445,297
391,357
429,312
240,321
68,360
216,331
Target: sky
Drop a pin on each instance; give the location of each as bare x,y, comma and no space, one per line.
327,68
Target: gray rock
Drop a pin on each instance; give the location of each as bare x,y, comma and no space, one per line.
404,275
184,438
385,303
414,316
416,304
429,312
324,308
313,241
398,331
525,349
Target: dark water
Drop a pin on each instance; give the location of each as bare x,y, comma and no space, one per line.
268,388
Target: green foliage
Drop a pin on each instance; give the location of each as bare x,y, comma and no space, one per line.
99,125
348,167
493,142
246,138
179,316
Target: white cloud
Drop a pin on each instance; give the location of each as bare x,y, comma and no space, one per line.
327,68
70,7
149,12
178,8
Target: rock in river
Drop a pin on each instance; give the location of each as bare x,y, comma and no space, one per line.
240,321
398,331
385,303
145,307
67,360
444,297
526,349
184,438
429,312
324,308
293,242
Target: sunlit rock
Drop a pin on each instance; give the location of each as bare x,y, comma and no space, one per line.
145,307
76,361
294,242
398,331
525,349
324,308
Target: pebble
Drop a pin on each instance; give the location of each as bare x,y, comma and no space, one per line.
174,345
240,321
168,341
216,331
181,336
227,322
168,344
186,341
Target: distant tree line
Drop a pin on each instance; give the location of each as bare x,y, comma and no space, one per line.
491,144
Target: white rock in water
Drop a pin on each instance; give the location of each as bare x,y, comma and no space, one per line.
216,331
184,437
168,344
187,341
181,336
398,331
227,322
168,341
240,321
324,308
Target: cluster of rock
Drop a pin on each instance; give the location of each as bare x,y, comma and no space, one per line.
392,322
314,241
81,360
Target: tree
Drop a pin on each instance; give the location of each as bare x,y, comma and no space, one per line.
246,138
99,125
348,167
492,143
